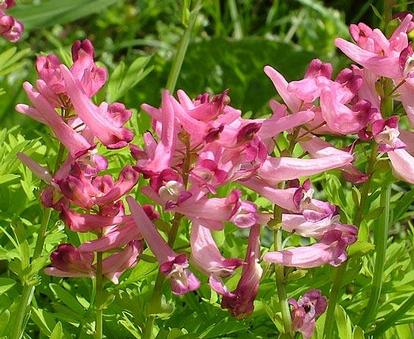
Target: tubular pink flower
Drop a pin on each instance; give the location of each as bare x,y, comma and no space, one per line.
48,69
114,237
173,266
402,163
387,66
275,170
272,127
74,142
40,171
386,133
84,68
205,107
297,223
306,310
160,157
240,301
280,197
68,261
206,255
331,249
98,119
89,222
116,264
318,148
281,85
374,51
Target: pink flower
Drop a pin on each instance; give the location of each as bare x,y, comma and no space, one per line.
68,261
341,118
306,310
116,264
91,77
174,266
10,28
78,222
275,170
206,255
309,89
318,148
106,121
386,134
331,249
159,156
43,112
374,51
298,223
240,301
402,163
5,4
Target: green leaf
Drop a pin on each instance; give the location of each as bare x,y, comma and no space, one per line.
7,177
57,332
4,320
123,79
360,248
6,284
67,298
358,333
343,323
44,320
52,12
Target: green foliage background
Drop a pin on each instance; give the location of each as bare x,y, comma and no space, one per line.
136,41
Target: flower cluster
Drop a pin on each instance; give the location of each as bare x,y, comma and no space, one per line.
200,147
86,200
10,28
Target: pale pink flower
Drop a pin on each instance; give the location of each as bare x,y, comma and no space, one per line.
331,249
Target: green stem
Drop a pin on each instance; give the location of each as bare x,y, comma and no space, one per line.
182,49
22,311
28,289
281,290
99,297
339,274
380,239
393,317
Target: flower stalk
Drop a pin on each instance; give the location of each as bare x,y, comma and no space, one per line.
380,239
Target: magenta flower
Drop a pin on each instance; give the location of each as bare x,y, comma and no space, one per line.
306,310
305,227
68,261
10,28
240,301
174,266
331,249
